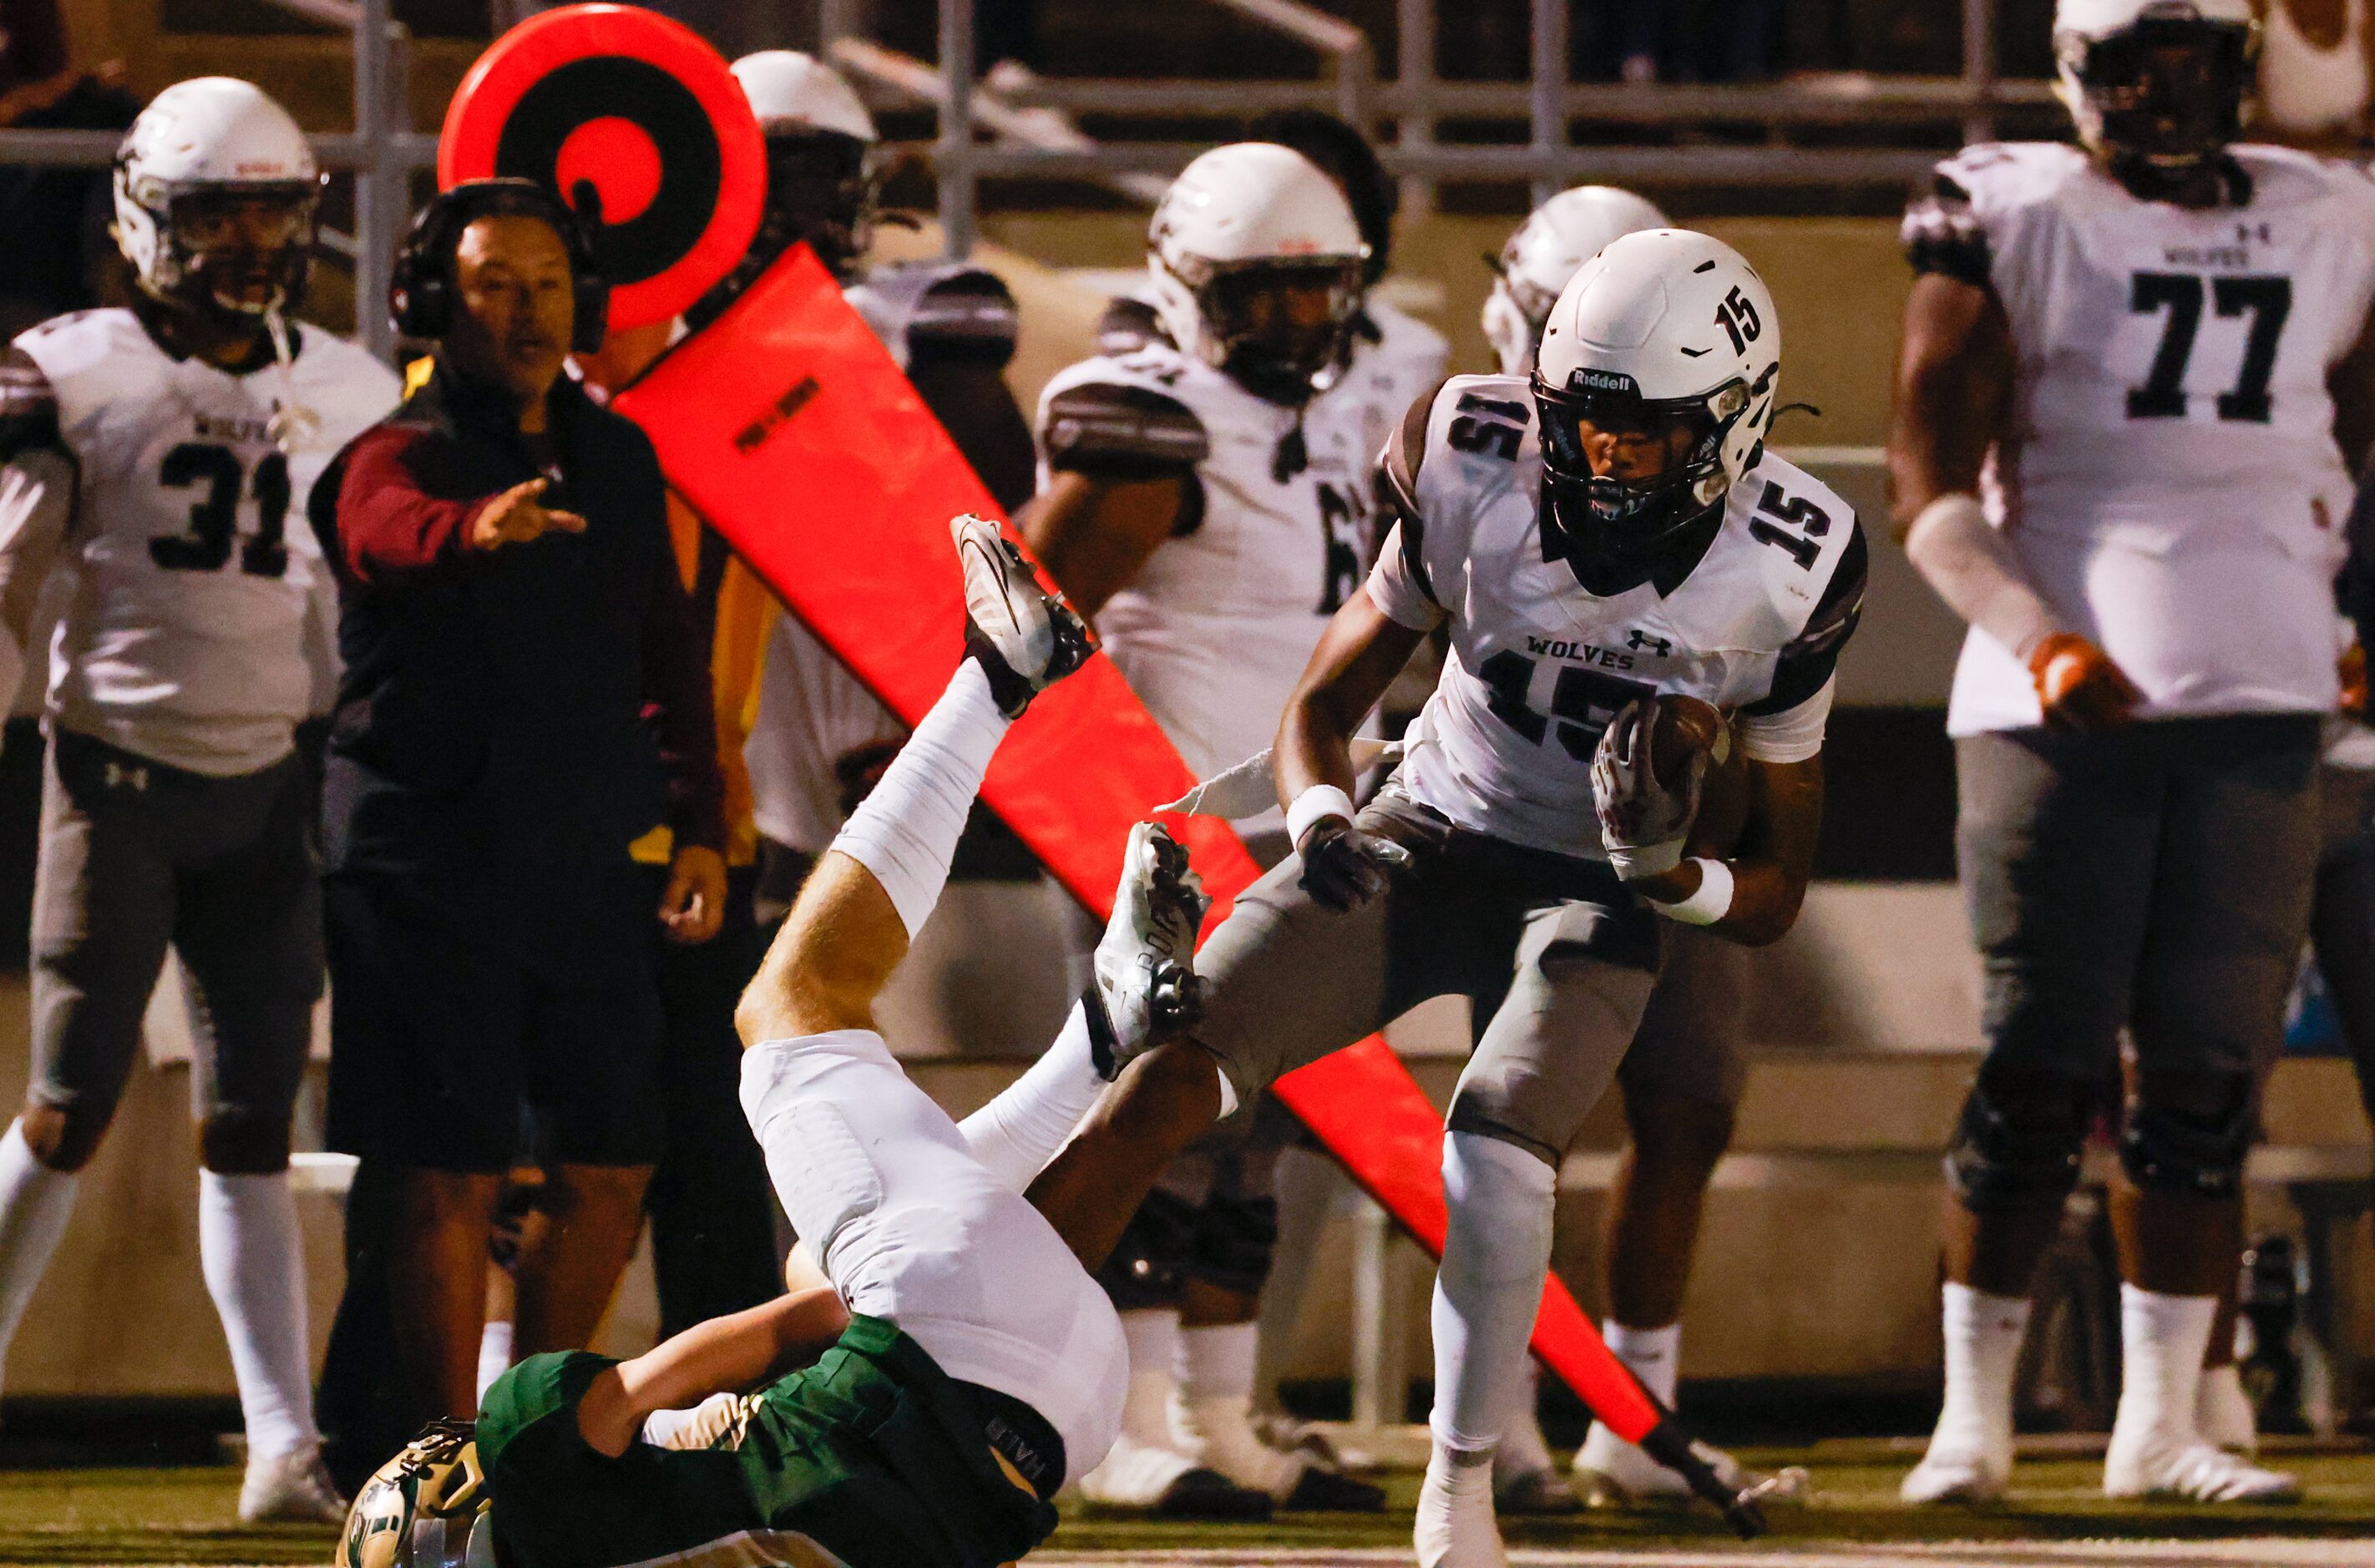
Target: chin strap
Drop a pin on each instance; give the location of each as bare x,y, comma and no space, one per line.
292,424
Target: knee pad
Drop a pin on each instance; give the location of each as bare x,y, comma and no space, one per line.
2189,1152
2016,1151
1235,1238
1145,1267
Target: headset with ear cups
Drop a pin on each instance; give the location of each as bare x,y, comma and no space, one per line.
420,285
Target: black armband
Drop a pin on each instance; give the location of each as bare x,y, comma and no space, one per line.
28,408
1943,235
969,318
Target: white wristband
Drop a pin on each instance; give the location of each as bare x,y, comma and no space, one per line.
1318,801
1711,904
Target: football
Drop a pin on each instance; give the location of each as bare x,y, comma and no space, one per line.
1687,725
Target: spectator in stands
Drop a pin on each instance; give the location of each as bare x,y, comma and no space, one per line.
510,616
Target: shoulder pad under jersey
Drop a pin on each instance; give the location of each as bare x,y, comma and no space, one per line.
1951,225
1127,324
940,308
1105,419
1812,552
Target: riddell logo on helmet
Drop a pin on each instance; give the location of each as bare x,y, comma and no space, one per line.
1602,380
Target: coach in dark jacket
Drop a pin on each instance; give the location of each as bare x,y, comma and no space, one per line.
525,692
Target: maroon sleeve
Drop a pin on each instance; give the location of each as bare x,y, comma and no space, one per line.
678,701
401,511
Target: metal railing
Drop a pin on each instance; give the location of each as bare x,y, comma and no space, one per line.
382,152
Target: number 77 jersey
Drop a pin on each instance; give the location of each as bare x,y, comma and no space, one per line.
2169,440
1538,666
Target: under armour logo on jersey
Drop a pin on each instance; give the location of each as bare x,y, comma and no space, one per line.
1638,639
117,775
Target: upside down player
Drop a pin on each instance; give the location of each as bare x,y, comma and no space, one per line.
1610,531
916,1402
2152,356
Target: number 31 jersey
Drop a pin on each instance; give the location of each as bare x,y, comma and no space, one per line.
1539,665
188,635
2167,469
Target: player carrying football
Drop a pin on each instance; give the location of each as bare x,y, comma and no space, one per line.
2136,375
943,1362
1609,531
156,455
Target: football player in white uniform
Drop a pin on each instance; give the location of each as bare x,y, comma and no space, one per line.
818,738
159,456
2135,374
1207,501
1610,531
1683,1078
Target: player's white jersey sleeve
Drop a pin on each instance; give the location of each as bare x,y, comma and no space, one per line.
195,580
1538,666
1274,533
2168,471
817,743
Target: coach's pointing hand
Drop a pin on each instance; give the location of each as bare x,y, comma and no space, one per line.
693,907
519,516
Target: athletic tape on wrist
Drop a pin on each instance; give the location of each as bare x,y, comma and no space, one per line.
1318,801
1711,904
1631,862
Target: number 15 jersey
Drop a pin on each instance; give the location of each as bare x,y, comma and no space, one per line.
2167,467
189,634
1539,665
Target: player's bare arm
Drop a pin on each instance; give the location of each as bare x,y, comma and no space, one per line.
36,491
1358,657
725,1355
1093,534
1953,380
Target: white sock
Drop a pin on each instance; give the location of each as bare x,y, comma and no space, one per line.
1153,1335
254,1258
2161,1341
1020,1131
494,1353
1455,1527
35,1204
1217,1363
1495,1258
906,831
1983,1334
1652,1355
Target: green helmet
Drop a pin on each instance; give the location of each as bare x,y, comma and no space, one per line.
425,1508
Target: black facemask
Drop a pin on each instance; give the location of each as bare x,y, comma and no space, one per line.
821,190
2168,95
1619,530
1269,347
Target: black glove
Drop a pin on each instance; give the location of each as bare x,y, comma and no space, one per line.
1344,868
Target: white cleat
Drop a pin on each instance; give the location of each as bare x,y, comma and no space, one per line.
2223,1412
1609,1471
1140,1475
1025,639
2191,1470
1455,1528
1957,1473
1526,1477
1146,988
1220,1435
291,1489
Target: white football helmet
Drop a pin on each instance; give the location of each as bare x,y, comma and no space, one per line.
823,181
1662,357
1557,238
2142,120
788,89
1243,228
215,195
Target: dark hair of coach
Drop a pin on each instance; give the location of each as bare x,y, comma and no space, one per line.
525,692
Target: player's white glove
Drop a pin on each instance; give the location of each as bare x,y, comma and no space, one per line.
1344,868
1643,824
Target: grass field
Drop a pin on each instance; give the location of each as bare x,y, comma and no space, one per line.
2056,1519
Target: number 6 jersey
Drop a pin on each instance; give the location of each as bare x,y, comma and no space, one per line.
1538,666
2167,469
188,635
